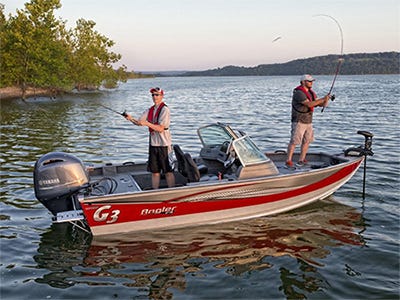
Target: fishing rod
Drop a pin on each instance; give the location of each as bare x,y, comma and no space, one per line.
113,110
124,113
340,60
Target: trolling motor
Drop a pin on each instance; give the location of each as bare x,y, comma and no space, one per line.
365,150
362,151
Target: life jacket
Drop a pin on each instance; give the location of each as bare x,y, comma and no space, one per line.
153,118
309,94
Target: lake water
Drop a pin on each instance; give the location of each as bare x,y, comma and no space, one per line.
342,247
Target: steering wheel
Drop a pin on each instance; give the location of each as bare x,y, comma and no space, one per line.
225,147
229,162
230,159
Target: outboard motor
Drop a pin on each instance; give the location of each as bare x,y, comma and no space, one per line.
57,177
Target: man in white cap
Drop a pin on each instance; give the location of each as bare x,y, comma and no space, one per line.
157,119
303,102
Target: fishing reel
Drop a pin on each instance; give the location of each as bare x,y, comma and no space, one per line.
332,97
124,114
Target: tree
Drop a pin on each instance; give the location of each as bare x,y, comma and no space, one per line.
38,51
91,60
34,48
3,35
121,74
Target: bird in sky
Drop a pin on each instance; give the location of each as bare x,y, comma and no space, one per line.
276,39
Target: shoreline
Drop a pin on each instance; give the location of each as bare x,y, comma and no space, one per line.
12,93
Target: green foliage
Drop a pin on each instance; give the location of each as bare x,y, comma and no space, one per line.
34,51
37,51
119,75
91,59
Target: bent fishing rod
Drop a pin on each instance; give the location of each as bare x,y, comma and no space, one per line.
124,114
340,60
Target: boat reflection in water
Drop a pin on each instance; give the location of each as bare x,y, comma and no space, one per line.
153,263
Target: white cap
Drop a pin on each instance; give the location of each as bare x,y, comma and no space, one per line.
307,77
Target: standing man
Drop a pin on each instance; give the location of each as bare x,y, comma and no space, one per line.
303,102
157,119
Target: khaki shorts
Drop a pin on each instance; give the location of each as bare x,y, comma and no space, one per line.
301,133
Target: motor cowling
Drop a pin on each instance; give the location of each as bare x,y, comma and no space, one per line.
57,177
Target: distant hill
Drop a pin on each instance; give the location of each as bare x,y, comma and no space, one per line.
354,64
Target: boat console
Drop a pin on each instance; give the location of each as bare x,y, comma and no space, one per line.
236,152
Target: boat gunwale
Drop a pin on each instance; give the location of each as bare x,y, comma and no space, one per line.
114,198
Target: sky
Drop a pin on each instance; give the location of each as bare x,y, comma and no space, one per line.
173,35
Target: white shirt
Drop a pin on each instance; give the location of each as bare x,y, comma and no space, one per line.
160,138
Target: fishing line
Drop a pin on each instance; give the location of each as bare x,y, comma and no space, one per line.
340,60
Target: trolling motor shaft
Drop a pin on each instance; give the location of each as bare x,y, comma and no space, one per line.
367,152
362,151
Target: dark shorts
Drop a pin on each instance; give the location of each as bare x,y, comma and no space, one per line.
159,160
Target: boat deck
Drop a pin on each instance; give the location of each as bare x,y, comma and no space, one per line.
130,177
315,161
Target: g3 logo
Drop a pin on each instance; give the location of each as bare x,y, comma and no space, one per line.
102,214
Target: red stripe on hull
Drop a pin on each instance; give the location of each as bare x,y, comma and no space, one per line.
104,214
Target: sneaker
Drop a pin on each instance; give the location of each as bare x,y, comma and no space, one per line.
302,163
289,164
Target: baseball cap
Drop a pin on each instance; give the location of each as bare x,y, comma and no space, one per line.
307,77
156,90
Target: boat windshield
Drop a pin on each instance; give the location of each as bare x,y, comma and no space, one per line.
248,152
214,135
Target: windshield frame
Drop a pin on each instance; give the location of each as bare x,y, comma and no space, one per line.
248,152
215,134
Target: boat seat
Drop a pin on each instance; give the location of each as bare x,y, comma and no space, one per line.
180,157
186,165
203,169
193,173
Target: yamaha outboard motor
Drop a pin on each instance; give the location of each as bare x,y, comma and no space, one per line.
57,178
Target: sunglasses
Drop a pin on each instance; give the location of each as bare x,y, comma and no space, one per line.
155,95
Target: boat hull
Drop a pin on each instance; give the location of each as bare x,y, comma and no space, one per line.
219,202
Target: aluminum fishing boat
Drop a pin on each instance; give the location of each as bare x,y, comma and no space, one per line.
231,179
